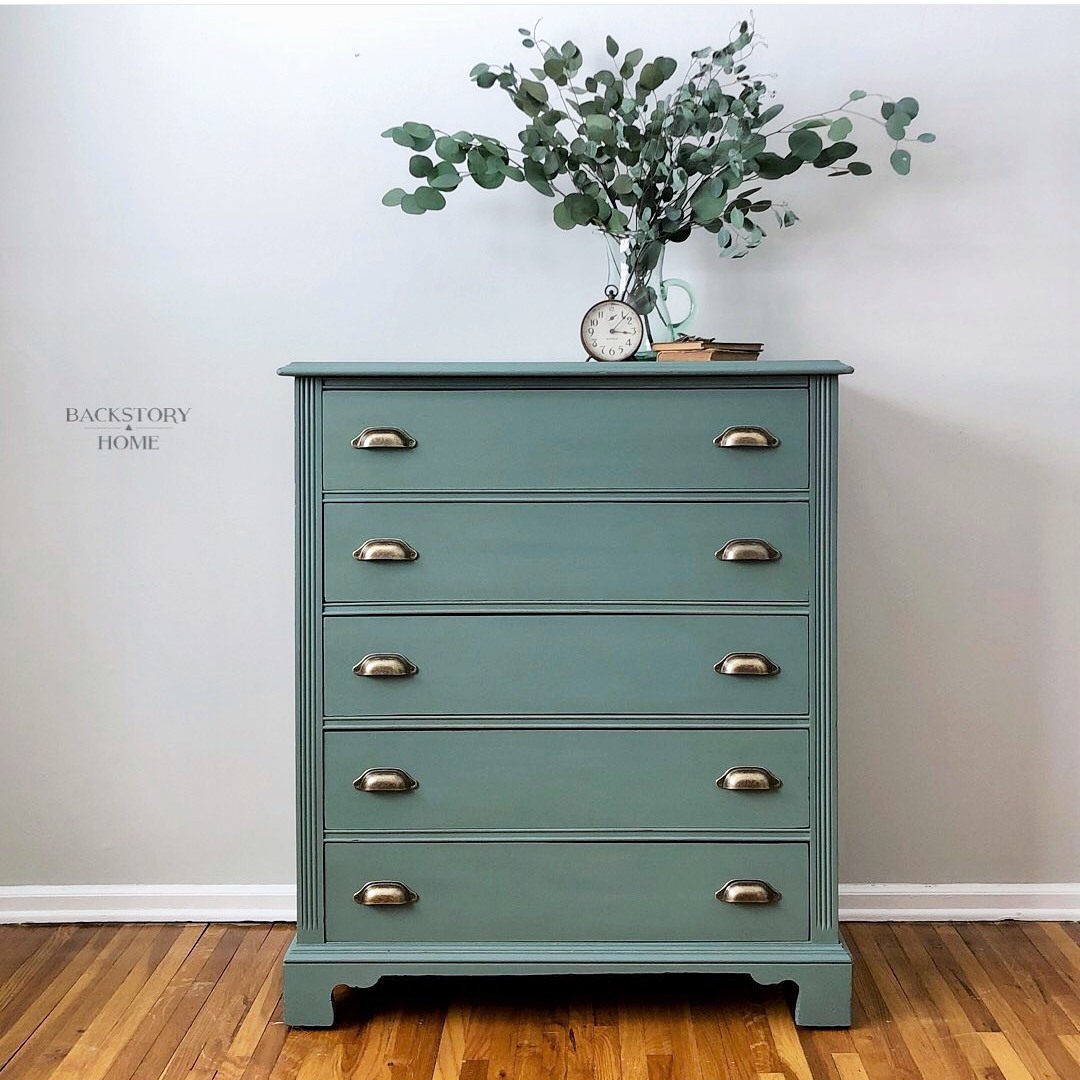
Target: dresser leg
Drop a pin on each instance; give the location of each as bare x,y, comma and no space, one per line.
308,989
824,997
308,995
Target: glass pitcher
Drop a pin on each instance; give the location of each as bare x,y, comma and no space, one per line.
636,274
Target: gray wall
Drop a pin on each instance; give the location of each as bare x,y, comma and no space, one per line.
190,197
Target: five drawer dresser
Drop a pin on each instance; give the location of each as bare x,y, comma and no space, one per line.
566,674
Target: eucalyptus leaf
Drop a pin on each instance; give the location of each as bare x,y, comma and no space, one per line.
477,162
650,78
430,199
445,181
612,46
805,144
771,113
401,137
421,166
555,69
832,154
393,197
771,166
896,125
708,208
490,179
422,136
840,129
562,216
900,160
535,178
859,168
650,255
582,208
598,126
450,149
927,137
536,90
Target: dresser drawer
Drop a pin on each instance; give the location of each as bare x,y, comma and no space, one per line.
536,891
572,665
488,440
565,551
518,780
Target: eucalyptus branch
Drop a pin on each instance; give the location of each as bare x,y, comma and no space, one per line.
644,162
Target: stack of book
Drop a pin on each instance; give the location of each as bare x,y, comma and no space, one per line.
696,348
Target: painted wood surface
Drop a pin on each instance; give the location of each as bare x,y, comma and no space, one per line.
570,552
508,463
309,780
574,369
932,1002
556,891
532,780
551,440
517,665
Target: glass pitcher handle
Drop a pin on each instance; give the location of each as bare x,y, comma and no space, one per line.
684,324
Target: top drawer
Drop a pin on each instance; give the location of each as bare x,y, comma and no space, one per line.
581,440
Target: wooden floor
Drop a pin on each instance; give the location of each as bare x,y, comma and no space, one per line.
932,1002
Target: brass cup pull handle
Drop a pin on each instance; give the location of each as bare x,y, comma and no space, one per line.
745,549
385,781
748,891
383,438
385,894
748,778
746,663
385,549
746,436
383,665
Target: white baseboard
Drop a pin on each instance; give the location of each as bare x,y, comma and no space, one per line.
277,903
147,903
960,903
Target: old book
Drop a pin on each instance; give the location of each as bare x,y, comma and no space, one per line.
705,349
670,356
707,343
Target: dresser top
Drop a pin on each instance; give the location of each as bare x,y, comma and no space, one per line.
621,370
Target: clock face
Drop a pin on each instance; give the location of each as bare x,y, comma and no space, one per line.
611,330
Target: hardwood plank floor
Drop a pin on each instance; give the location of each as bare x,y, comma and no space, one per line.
977,1001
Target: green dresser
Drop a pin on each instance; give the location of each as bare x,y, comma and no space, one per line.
566,674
